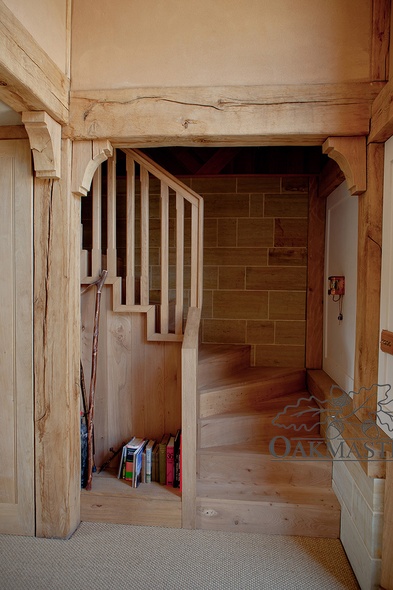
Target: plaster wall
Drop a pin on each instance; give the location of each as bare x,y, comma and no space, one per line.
142,43
341,259
47,22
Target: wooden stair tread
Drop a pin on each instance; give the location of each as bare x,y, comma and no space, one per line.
250,375
269,407
278,494
208,353
262,448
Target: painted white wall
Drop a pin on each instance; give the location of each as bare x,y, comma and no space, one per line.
385,374
341,259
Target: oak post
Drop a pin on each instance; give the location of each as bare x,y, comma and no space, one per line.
369,281
57,352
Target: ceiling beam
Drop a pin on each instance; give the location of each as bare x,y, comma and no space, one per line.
223,116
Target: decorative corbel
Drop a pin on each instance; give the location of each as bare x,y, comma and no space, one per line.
86,157
45,142
350,154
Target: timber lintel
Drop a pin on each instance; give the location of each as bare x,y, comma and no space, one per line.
350,154
45,142
86,157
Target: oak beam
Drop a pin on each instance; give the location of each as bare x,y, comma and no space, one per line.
350,155
382,115
29,79
369,281
223,116
57,353
45,142
13,132
380,40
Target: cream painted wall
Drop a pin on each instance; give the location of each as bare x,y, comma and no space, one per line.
46,21
136,43
341,259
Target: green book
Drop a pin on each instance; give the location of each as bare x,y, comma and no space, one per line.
162,458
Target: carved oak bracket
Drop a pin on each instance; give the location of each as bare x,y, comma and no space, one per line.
86,157
350,154
45,142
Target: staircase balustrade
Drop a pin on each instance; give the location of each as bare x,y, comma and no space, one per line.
165,287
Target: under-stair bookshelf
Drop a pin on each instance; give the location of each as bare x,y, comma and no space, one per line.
138,219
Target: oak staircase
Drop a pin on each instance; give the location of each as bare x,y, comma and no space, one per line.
240,485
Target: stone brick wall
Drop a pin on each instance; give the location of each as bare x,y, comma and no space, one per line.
255,260
255,265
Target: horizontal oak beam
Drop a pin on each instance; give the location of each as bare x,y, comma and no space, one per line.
223,116
29,79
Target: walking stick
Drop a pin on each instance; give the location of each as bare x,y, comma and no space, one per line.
90,414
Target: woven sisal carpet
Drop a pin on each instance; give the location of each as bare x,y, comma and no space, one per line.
107,556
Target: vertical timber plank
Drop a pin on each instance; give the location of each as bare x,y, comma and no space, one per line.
96,252
164,258
380,40
144,236
111,218
315,278
179,263
369,281
130,237
57,353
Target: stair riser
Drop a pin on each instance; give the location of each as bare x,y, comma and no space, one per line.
267,518
260,470
254,429
222,367
249,396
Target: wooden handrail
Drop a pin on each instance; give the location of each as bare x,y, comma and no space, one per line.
164,176
170,188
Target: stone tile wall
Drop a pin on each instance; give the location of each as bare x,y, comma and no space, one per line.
255,265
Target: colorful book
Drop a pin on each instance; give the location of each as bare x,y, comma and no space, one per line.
148,460
138,459
162,458
155,464
170,461
176,479
131,449
121,470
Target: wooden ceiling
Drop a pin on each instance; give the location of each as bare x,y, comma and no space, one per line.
213,161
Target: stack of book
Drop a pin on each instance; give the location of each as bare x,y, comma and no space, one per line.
143,461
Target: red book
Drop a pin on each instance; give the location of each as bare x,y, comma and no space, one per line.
170,461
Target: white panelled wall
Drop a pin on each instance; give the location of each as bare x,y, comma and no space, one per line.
341,259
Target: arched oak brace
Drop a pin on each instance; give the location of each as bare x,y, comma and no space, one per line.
86,157
350,154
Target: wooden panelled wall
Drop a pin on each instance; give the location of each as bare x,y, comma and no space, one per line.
138,390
